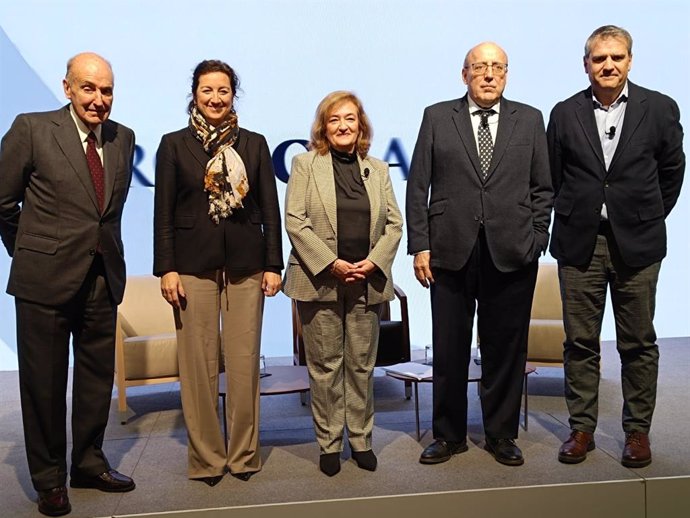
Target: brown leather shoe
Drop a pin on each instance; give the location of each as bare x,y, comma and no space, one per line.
54,502
636,453
110,481
575,449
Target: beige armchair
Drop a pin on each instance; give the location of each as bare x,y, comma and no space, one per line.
145,340
546,333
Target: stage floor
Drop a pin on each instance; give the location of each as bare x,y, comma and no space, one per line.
152,448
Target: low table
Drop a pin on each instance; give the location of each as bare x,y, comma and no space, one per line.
474,375
278,379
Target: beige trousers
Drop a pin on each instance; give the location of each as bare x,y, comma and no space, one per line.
235,305
340,342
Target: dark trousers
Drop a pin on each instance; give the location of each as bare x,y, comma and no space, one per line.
503,302
43,336
633,295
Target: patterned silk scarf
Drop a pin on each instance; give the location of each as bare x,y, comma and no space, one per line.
226,177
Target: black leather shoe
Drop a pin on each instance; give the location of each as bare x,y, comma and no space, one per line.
109,481
210,481
54,502
245,476
329,463
365,459
504,451
441,451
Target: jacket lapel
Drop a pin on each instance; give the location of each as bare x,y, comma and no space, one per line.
111,159
372,184
67,138
635,111
196,149
325,184
585,116
461,119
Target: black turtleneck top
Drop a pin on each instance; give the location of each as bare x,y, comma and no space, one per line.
353,207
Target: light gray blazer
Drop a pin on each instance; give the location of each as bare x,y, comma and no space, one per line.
311,224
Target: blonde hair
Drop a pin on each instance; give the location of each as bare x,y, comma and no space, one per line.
319,142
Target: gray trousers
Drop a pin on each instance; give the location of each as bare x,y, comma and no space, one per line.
341,340
633,295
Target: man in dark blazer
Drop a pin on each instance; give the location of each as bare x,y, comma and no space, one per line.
617,164
476,240
61,201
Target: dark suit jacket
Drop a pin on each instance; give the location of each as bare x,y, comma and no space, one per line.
514,203
640,188
186,240
49,217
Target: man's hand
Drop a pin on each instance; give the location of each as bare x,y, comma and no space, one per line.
171,289
422,268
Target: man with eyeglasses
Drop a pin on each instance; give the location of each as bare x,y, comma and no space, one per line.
617,165
478,212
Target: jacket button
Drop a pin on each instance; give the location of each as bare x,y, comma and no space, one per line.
92,251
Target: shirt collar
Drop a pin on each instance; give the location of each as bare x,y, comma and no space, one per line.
474,107
83,129
623,97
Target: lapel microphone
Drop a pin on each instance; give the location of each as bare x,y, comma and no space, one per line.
611,132
365,173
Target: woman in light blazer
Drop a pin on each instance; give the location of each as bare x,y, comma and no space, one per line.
345,227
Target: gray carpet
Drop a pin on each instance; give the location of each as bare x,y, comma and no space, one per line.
152,447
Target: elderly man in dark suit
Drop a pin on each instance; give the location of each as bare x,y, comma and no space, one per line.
617,164
64,178
476,240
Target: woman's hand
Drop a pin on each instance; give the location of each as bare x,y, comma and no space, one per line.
271,283
342,270
171,289
363,269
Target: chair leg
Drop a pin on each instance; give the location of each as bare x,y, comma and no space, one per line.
225,420
122,403
408,390
525,396
303,398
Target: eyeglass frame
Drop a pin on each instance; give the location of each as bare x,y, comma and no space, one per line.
499,69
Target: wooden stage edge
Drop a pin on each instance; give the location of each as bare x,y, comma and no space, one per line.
667,497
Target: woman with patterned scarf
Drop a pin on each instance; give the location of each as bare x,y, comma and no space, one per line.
217,250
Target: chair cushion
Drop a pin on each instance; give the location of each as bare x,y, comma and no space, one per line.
152,356
545,340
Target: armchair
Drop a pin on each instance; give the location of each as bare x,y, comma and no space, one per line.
145,339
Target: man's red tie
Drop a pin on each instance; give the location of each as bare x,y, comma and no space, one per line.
96,168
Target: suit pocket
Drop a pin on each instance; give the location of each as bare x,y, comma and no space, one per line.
652,212
185,221
563,206
36,243
437,207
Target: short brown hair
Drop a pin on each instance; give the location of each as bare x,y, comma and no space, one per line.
319,142
609,31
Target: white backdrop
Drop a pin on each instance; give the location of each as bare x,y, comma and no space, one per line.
398,56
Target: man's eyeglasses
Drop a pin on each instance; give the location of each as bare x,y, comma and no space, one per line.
497,69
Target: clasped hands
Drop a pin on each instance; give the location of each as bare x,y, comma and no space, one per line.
348,273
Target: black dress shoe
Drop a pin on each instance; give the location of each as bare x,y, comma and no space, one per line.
54,502
109,481
329,463
244,476
365,459
504,451
441,451
210,481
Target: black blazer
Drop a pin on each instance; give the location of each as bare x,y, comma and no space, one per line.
514,203
53,235
640,188
186,240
